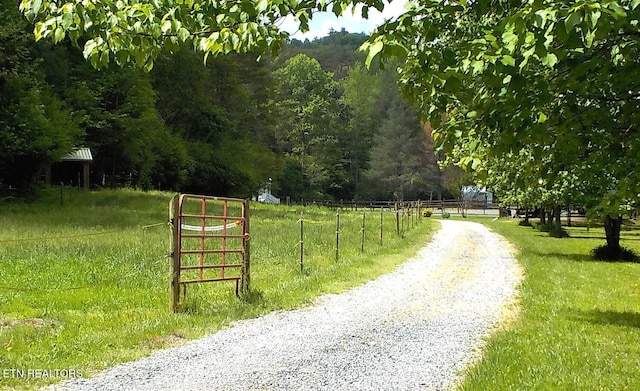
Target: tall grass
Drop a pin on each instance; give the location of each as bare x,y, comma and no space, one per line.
579,328
84,286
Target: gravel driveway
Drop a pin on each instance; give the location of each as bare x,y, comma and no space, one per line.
413,329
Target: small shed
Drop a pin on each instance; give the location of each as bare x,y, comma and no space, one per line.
72,168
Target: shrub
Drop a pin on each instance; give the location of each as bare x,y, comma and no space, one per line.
427,213
524,223
543,227
446,215
558,233
614,254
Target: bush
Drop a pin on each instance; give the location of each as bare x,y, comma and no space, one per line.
524,223
446,215
614,254
553,231
543,227
558,233
427,213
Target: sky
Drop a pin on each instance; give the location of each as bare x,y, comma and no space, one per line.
323,22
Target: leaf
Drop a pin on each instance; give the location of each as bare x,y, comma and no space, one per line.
35,7
453,84
374,49
183,34
58,34
595,16
542,118
262,6
572,21
507,60
550,60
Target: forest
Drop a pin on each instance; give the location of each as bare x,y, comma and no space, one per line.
314,123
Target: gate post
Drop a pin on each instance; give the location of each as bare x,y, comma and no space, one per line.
246,270
174,254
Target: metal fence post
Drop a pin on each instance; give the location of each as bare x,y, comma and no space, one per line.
381,223
337,234
364,216
174,254
301,242
246,270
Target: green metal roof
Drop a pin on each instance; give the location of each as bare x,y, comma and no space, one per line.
78,155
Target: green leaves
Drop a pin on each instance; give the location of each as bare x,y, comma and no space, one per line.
574,19
372,49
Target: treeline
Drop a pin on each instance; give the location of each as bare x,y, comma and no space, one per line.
314,120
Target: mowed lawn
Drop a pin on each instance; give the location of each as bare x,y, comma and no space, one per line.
579,325
85,285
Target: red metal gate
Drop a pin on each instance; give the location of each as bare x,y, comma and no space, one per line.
209,242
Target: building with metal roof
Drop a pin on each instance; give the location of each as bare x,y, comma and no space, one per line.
72,169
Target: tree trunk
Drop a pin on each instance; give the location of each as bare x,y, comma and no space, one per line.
612,232
558,222
543,216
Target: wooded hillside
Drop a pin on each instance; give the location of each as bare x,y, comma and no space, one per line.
314,120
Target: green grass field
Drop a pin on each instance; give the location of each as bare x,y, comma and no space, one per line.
85,286
579,327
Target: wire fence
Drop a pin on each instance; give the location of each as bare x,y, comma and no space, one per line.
353,231
405,217
91,285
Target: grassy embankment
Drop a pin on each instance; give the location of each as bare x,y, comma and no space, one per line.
579,328
89,288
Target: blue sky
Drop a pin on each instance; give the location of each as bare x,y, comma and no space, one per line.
323,22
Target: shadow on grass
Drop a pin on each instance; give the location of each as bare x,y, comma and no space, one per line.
580,258
609,317
568,257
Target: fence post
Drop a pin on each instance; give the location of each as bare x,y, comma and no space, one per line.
337,234
397,221
381,223
245,283
364,216
174,253
301,242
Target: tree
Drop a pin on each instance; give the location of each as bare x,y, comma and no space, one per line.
492,76
402,165
362,92
556,79
308,109
137,32
35,126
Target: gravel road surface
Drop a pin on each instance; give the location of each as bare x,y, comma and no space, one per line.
413,329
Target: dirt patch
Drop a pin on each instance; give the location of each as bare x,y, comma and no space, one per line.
166,341
30,322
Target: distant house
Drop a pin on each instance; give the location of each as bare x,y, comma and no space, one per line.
72,169
475,193
266,197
